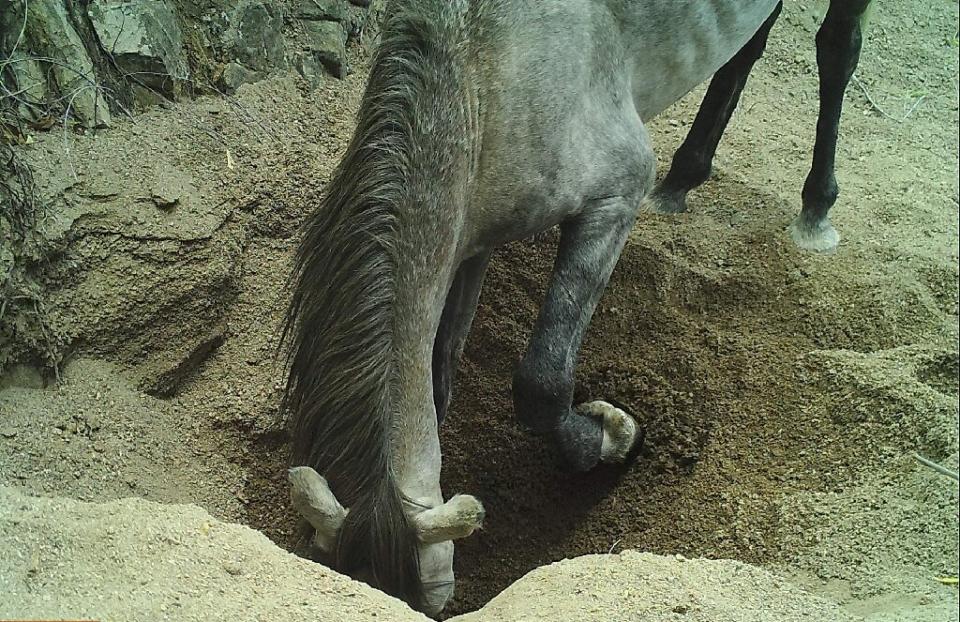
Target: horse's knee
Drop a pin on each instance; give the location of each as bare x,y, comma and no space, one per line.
850,8
839,41
646,164
628,163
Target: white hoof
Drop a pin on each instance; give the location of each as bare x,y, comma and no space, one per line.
661,203
457,518
619,430
822,238
311,496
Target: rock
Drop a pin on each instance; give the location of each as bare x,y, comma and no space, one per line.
171,187
144,39
320,10
254,36
51,35
328,44
308,66
327,25
31,85
235,75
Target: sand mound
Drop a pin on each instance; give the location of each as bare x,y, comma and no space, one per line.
138,560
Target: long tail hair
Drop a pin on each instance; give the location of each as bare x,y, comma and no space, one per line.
339,324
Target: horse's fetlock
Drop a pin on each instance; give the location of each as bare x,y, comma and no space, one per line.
820,193
690,169
537,392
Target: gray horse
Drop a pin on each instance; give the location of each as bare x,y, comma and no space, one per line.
486,121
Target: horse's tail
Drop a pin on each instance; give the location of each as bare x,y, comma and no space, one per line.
340,324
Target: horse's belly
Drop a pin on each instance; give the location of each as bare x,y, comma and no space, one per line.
677,45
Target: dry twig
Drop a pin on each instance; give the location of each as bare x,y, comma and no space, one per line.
880,110
942,470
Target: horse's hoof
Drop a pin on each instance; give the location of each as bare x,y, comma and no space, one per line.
619,430
659,202
819,238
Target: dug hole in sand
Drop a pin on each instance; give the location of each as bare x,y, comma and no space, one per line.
783,394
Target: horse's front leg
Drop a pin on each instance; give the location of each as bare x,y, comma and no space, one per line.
838,52
693,160
543,383
458,312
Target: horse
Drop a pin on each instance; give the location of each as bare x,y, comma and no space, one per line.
483,122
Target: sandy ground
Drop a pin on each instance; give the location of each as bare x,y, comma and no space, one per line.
139,560
782,394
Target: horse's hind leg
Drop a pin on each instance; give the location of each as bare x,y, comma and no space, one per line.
692,162
838,52
458,312
543,383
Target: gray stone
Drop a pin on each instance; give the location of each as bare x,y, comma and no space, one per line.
321,10
144,39
254,36
309,67
31,85
171,187
51,35
327,42
147,96
357,21
234,75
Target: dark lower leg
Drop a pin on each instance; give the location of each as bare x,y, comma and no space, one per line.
838,52
543,382
692,162
458,312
